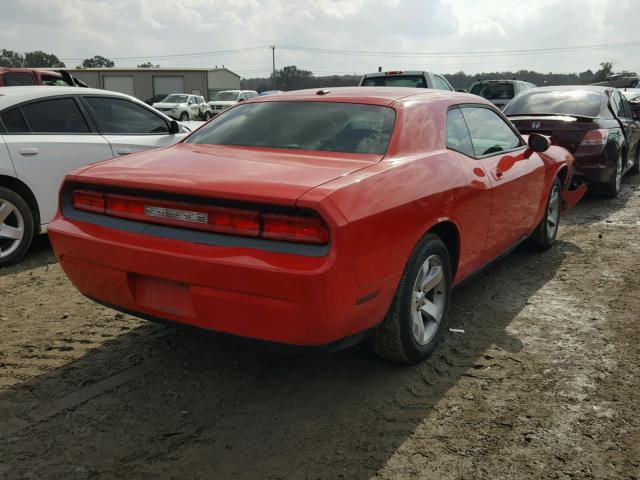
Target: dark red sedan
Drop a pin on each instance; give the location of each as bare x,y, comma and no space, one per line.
314,217
596,124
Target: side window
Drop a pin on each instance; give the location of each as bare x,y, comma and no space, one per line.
192,101
490,134
625,110
53,81
458,137
615,104
117,115
440,83
242,96
15,79
13,121
60,115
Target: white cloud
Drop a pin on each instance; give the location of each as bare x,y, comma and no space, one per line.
74,29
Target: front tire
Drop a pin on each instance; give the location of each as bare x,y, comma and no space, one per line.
207,116
544,236
184,117
16,227
417,317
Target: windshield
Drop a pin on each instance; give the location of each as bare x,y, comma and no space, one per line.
564,102
322,126
413,81
175,98
493,90
225,97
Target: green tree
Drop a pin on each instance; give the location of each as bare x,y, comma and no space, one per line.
148,65
292,78
9,58
39,58
606,70
97,61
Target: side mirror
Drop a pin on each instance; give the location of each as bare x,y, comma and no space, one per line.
462,90
174,127
241,100
538,143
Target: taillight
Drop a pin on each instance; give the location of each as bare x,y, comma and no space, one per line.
233,221
88,201
198,217
595,138
294,228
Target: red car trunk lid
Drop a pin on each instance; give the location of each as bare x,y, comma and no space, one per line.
236,173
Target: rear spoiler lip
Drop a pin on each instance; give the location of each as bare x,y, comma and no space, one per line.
551,116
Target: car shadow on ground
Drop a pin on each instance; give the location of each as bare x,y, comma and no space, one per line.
594,208
38,255
159,402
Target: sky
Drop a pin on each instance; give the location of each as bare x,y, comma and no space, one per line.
332,36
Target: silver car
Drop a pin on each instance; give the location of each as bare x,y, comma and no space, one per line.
184,107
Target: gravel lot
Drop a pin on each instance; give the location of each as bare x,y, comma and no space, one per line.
544,383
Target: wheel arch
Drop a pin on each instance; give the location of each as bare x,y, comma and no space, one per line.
450,235
25,192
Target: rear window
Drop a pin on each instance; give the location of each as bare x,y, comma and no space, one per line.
16,79
494,90
563,102
413,81
320,126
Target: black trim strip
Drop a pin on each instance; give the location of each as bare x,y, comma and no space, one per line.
193,236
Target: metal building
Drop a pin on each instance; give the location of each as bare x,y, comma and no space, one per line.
145,83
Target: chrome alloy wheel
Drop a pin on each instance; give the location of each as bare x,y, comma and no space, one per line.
11,228
428,300
553,211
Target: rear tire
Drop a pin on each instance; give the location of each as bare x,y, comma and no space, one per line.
635,169
417,317
16,227
612,187
544,236
184,117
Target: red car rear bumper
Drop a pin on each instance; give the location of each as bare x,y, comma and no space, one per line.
293,299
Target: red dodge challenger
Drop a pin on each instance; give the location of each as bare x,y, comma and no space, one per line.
314,217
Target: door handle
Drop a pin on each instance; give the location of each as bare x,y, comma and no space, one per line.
497,174
26,151
123,151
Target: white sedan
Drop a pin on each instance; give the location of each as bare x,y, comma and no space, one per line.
45,132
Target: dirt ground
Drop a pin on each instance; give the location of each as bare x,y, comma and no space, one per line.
544,383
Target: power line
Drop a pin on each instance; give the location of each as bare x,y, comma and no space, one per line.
532,51
373,53
180,55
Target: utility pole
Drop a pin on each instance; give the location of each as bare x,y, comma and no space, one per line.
273,61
